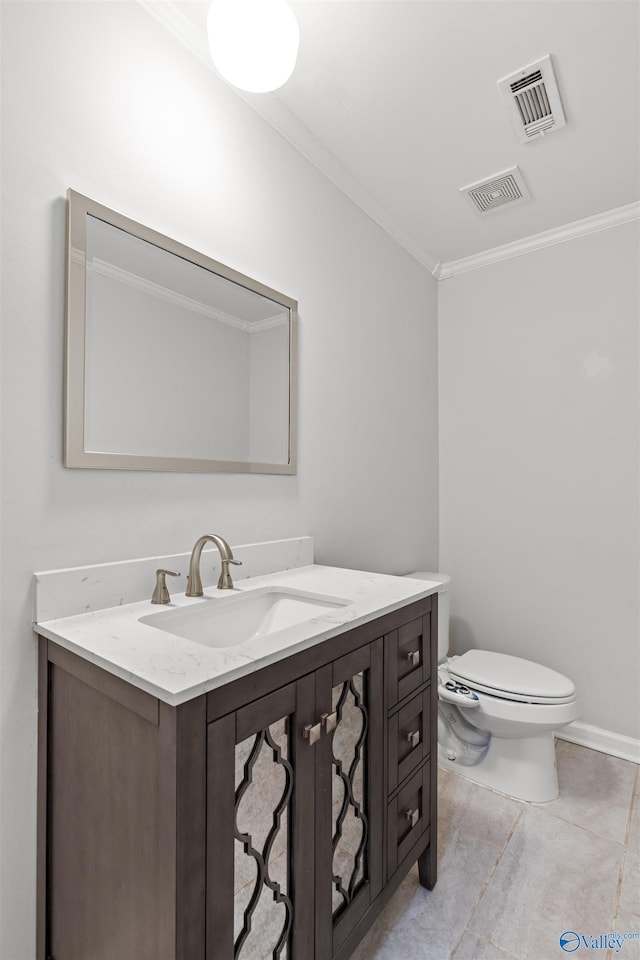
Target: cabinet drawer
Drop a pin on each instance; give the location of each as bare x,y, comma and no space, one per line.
408,652
408,818
409,738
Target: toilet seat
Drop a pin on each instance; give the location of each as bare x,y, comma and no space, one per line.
511,678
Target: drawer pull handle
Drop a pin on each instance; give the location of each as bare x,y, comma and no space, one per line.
413,737
412,816
413,656
329,721
312,732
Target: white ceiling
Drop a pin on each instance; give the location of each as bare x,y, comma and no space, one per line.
397,102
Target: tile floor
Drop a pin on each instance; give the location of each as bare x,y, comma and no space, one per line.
514,876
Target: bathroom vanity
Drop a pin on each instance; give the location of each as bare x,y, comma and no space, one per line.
268,808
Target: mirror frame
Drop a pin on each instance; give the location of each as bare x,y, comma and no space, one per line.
74,453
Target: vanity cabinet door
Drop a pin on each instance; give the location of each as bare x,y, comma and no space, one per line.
260,776
349,794
311,809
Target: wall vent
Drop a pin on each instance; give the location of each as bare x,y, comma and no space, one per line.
502,188
533,100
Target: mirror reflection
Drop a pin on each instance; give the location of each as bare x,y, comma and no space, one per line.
185,364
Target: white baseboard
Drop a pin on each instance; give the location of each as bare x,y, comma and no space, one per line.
616,744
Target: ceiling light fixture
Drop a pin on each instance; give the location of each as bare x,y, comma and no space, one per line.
253,43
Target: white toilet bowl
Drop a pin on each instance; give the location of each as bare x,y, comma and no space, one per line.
497,714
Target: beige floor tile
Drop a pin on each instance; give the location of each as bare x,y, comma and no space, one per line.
391,929
634,827
421,924
553,876
628,913
629,902
595,790
488,815
472,947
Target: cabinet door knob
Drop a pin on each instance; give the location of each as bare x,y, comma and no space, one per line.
413,737
329,721
413,656
312,732
412,816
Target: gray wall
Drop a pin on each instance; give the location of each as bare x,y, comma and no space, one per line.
98,97
539,464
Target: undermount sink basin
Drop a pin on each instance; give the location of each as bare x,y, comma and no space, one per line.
240,617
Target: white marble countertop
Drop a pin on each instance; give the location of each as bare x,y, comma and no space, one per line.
176,670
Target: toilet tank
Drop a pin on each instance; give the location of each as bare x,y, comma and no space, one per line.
443,582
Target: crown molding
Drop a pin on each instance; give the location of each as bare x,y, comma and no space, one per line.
570,231
177,17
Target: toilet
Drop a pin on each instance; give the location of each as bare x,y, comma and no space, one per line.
497,714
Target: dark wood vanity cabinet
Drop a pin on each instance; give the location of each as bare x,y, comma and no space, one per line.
271,817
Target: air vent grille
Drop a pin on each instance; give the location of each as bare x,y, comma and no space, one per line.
526,81
533,100
495,192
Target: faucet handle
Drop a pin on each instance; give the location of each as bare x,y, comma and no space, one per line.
224,581
161,594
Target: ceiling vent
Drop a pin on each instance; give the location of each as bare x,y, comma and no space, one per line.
533,100
502,188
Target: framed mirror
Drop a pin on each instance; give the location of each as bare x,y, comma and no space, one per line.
173,361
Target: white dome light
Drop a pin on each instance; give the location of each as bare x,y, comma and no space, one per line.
253,43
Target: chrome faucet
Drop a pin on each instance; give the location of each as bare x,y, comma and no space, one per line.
194,582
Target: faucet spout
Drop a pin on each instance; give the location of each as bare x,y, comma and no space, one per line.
194,581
